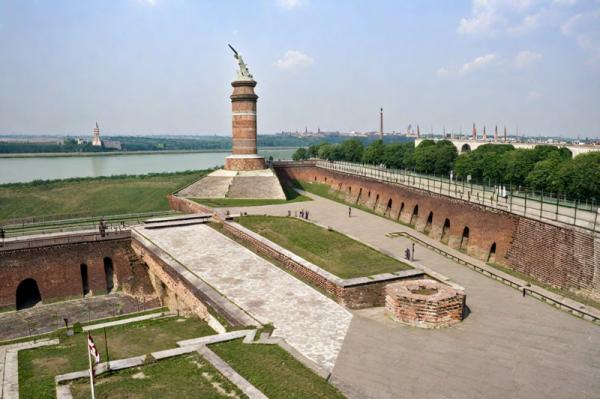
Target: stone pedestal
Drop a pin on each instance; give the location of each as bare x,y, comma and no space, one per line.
243,106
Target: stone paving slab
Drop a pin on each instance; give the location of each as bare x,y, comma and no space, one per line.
211,339
309,321
123,321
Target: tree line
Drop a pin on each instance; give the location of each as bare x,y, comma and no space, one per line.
544,168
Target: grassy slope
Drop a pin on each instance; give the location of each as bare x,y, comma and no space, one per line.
38,367
333,251
188,376
92,197
291,195
274,371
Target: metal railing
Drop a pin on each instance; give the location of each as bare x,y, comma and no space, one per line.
533,205
113,223
528,290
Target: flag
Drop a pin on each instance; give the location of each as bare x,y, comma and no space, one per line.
93,350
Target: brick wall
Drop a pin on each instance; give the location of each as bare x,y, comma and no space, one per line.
56,267
563,257
186,206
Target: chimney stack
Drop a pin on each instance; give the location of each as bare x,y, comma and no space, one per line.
381,124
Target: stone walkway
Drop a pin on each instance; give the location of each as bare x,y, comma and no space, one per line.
508,346
309,321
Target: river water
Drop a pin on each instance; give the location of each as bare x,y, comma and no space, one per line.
15,170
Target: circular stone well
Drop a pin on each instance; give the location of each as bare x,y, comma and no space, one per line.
424,303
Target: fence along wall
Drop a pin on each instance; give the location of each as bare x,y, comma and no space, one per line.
563,257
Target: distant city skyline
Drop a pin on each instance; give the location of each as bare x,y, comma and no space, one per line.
163,67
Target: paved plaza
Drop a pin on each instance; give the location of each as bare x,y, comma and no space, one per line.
508,346
309,321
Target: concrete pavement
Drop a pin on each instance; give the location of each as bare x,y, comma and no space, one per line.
508,346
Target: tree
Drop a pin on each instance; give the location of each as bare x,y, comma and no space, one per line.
352,150
374,153
300,154
545,174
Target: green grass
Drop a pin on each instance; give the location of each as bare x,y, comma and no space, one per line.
187,376
92,196
291,197
274,371
328,249
38,367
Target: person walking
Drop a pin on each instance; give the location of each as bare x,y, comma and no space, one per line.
349,211
413,252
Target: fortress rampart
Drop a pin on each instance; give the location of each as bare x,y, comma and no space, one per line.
563,257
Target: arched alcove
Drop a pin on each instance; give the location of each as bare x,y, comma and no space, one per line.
359,195
429,223
109,274
85,283
464,241
492,254
446,230
388,208
465,148
28,294
376,202
415,215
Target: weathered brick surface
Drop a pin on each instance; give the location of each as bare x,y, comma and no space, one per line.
563,257
172,288
442,308
56,269
186,206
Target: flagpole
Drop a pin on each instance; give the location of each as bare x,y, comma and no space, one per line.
91,371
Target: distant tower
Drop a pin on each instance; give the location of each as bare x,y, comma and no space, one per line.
418,131
505,134
474,132
381,123
96,139
496,133
484,134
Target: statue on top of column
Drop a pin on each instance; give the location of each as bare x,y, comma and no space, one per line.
243,72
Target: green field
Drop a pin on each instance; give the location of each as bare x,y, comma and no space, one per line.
187,376
333,251
91,196
274,371
291,197
38,367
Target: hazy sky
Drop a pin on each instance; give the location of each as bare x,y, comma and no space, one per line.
163,66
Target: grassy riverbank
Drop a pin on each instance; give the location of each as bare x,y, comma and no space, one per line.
82,197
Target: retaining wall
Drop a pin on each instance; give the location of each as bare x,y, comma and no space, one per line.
356,293
563,257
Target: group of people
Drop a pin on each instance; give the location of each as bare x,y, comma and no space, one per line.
303,214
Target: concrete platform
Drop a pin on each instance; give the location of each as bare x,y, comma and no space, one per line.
254,184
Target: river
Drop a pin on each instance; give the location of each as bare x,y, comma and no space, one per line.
16,170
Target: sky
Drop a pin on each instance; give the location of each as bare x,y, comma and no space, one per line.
163,66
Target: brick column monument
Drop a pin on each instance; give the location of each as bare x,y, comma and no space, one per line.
243,107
